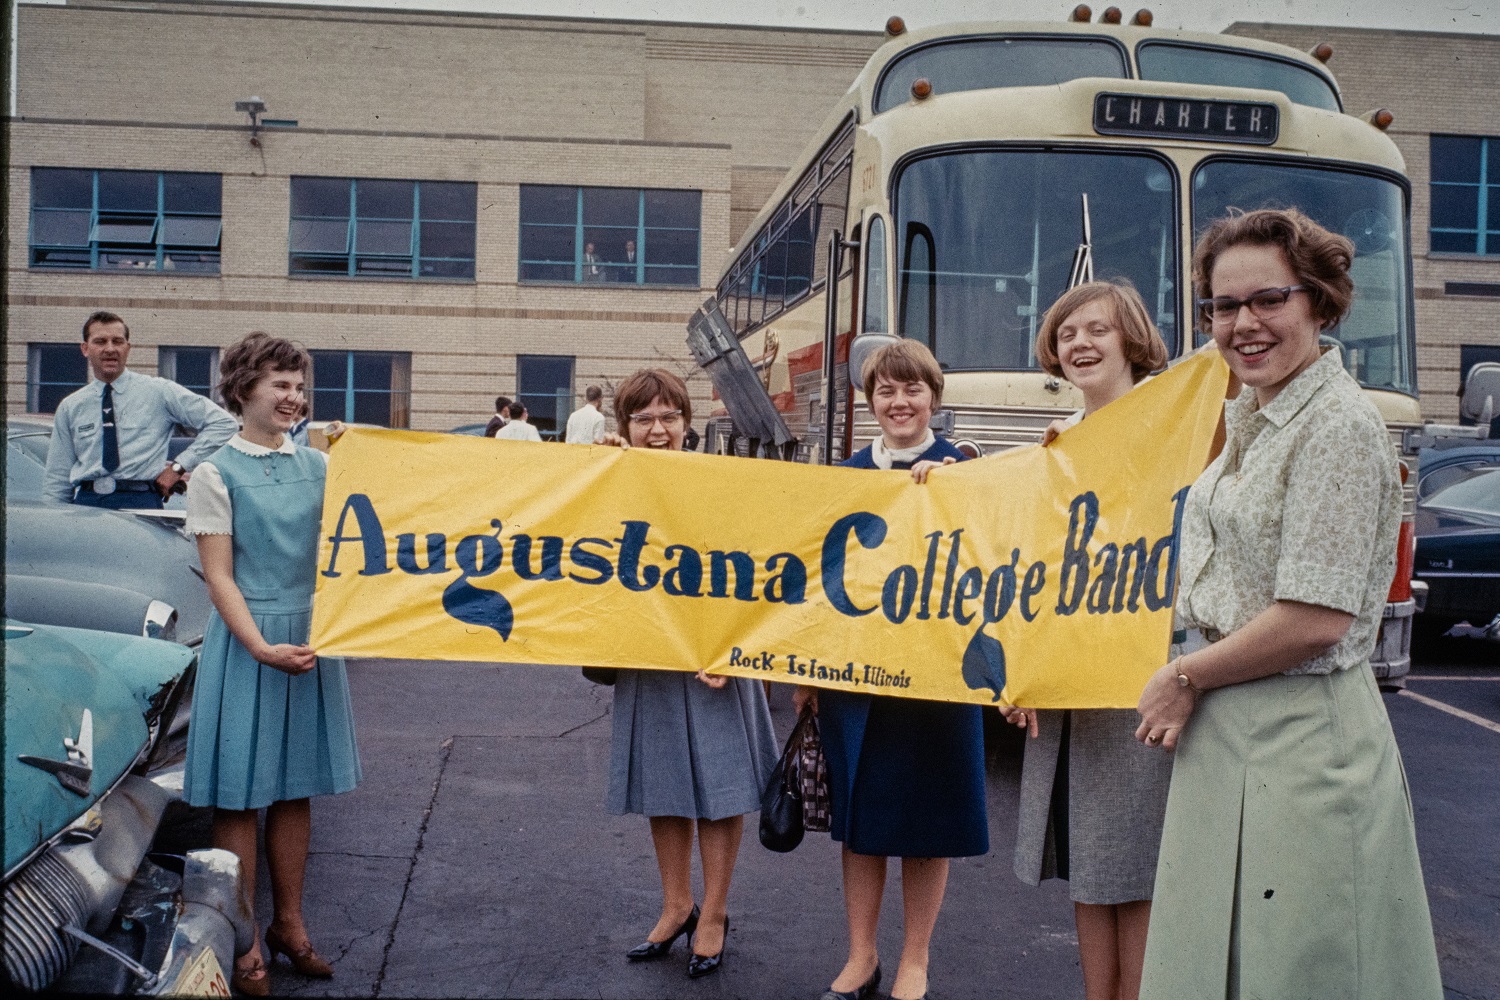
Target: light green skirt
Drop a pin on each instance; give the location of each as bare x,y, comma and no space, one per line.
1288,863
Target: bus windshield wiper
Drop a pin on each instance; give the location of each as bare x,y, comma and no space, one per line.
1083,257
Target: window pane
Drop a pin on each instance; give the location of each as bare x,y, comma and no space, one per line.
189,231
540,203
124,230
1455,158
447,239
382,237
320,196
127,190
61,369
1455,207
544,385
317,236
328,404
446,268
191,193
678,209
61,258
60,228
547,272
548,243
383,267
193,367
373,408
372,370
997,62
675,276
301,264
1454,243
185,261
1190,64
384,199
673,246
330,369
611,206
1493,208
62,188
448,201
127,260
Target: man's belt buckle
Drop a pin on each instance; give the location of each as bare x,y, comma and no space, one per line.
104,485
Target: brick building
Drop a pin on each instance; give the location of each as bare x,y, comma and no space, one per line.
445,207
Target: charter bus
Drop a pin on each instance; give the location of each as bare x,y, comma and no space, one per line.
950,193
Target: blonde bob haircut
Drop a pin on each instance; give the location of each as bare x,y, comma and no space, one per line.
1144,348
641,388
903,361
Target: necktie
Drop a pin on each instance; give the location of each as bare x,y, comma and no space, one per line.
111,442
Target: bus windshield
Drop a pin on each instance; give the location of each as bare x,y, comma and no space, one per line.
986,240
982,63
1192,64
1378,342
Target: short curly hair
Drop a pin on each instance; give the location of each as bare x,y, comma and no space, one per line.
1320,259
1144,348
640,388
247,360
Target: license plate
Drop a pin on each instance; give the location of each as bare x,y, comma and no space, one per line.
202,977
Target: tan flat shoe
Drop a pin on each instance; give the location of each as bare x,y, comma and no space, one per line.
306,961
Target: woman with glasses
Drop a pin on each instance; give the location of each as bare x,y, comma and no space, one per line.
1288,862
687,751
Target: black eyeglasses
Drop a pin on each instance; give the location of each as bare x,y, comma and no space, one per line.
1264,304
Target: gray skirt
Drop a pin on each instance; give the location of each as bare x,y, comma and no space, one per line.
680,748
1091,807
1289,860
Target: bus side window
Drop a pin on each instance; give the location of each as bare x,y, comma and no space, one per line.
917,289
875,277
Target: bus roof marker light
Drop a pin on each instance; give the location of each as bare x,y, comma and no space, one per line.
1082,13
1322,52
1143,18
1111,15
921,88
1380,118
895,25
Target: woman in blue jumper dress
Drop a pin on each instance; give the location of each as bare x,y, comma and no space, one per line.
906,776
272,723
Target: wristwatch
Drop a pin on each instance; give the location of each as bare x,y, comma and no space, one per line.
178,468
1183,680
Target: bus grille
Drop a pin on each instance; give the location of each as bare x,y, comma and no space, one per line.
38,902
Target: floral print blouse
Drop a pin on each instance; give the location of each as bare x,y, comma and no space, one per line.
1303,504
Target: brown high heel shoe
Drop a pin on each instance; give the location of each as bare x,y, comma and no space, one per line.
306,961
247,982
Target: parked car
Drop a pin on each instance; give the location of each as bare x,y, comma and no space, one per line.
1450,462
131,572
1458,550
86,908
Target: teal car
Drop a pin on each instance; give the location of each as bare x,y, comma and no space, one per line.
88,907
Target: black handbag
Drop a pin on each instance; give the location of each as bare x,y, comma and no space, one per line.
600,675
781,825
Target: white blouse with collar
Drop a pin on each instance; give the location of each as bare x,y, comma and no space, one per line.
209,511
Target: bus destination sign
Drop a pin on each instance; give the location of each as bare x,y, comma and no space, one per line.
1178,118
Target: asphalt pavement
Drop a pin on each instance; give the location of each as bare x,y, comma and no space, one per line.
476,859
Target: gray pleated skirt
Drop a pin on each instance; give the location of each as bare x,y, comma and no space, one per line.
680,748
1289,861
1091,807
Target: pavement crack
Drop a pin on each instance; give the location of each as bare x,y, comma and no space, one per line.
583,725
411,871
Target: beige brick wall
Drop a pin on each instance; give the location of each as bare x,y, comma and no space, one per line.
1431,82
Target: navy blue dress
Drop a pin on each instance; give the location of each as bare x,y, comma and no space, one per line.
906,776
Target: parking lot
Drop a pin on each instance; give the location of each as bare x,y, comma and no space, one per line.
477,860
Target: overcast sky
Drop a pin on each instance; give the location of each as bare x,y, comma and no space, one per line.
1198,15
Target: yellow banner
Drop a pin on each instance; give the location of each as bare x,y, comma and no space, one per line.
1044,572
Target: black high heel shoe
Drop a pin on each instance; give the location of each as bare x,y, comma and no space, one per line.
862,992
650,951
703,965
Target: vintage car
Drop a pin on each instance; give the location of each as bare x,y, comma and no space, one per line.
87,907
1458,551
135,573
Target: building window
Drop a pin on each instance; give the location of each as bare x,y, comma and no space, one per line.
1465,194
544,385
132,220
357,228
196,368
52,372
620,236
362,387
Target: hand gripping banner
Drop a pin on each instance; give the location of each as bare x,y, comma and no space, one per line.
1045,573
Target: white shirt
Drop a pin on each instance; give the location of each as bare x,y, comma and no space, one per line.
209,511
146,410
518,430
585,426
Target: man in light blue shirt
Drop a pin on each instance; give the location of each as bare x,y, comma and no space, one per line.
110,438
